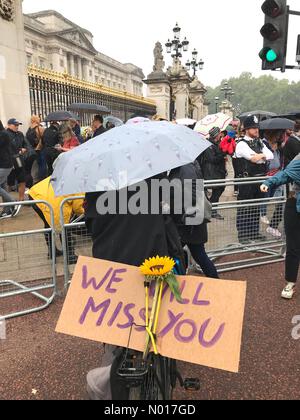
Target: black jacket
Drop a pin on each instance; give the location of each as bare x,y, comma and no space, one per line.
127,239
291,150
213,163
99,131
6,159
193,235
51,137
17,141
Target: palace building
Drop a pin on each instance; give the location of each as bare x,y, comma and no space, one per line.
54,43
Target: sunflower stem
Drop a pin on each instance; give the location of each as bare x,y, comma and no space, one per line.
152,316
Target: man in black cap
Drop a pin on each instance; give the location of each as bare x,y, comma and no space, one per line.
252,157
19,148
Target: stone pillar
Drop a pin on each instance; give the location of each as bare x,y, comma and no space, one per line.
55,59
180,82
197,99
14,88
159,90
72,65
85,70
79,67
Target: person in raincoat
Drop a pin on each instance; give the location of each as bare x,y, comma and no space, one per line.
44,191
291,175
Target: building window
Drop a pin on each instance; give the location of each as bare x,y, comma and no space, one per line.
62,63
29,59
42,63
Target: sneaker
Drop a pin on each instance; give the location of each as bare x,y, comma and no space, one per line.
16,211
288,291
265,220
274,232
6,215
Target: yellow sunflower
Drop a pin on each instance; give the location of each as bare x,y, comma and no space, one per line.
158,266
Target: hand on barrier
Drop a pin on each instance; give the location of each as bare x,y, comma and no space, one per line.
264,188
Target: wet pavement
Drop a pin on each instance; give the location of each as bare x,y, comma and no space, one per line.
36,363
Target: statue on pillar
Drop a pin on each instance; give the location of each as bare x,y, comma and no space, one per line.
7,9
159,63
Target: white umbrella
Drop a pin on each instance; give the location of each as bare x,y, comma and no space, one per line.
186,121
216,120
125,156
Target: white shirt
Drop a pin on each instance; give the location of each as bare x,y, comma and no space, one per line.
244,151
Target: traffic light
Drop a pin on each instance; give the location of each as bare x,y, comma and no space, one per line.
275,34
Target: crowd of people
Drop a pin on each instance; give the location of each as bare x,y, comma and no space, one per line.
254,154
41,145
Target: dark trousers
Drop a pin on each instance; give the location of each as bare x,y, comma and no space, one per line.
51,154
235,165
248,217
28,169
200,256
216,195
292,228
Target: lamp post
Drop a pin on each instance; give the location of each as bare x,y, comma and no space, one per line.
227,90
194,64
217,101
176,47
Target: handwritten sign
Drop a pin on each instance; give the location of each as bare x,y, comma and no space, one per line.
105,300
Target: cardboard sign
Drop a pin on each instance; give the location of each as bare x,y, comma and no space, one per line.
105,300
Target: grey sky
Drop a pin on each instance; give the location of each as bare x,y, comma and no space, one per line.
226,33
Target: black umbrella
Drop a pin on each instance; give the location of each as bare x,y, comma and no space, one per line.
261,115
277,124
291,115
89,109
59,116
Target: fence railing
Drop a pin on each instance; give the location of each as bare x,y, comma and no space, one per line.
27,264
51,92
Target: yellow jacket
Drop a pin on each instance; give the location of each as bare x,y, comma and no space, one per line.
44,191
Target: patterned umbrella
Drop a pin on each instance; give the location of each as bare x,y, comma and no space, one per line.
125,156
216,120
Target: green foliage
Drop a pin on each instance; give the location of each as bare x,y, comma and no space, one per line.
263,93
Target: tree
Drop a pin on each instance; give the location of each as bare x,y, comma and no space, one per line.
265,93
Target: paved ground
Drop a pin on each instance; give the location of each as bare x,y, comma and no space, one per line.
37,363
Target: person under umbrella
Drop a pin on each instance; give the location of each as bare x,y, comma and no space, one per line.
51,142
116,171
98,126
291,175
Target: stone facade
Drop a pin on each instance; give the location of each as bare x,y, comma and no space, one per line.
14,89
53,42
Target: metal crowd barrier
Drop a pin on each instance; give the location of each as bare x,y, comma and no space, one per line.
75,241
26,267
223,245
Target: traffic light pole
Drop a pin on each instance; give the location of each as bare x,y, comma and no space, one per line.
293,13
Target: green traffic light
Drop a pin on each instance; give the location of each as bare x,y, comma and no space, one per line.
271,56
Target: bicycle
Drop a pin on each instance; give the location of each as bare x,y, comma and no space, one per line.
154,377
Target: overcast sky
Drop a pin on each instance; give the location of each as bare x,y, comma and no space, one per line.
226,33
